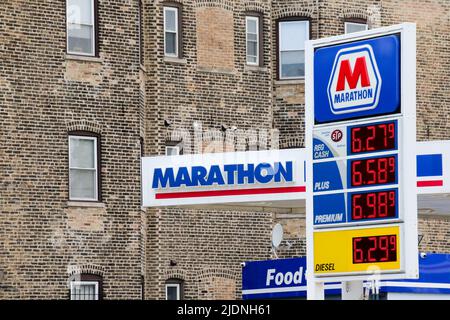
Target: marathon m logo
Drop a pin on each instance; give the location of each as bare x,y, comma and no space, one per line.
355,81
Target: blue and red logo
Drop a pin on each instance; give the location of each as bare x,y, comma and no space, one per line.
429,170
355,80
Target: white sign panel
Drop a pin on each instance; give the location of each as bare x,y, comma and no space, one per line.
254,176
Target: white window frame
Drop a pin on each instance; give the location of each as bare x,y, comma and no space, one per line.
173,285
279,46
74,284
95,167
174,9
355,23
173,147
94,32
256,19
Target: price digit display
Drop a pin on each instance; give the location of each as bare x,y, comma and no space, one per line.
373,171
375,249
373,138
374,205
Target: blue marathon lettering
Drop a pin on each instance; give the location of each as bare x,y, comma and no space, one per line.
230,174
353,96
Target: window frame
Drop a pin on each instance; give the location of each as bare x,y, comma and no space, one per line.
256,18
355,22
94,17
97,163
176,9
278,39
173,284
173,147
87,278
73,284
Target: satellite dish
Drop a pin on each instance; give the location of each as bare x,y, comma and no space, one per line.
277,235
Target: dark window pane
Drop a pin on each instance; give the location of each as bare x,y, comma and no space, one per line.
172,293
171,43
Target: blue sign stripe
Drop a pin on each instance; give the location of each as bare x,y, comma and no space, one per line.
429,165
415,290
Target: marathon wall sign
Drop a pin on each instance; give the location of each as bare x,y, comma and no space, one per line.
356,80
253,176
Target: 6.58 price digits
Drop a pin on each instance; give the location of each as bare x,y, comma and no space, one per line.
377,137
375,249
373,205
373,171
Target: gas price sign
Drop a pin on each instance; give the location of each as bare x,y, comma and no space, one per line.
361,125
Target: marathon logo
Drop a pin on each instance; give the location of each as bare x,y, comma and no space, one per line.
355,81
233,177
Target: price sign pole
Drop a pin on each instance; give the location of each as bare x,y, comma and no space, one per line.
361,144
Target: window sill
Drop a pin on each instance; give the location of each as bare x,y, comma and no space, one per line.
85,204
216,70
293,81
255,68
175,60
84,58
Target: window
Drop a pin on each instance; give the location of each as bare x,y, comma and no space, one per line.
252,29
174,289
351,27
172,150
83,290
86,287
292,36
81,29
171,32
83,168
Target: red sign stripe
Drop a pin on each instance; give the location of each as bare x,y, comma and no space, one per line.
221,193
430,183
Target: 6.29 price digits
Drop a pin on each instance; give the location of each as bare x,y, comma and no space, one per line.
373,171
374,205
375,249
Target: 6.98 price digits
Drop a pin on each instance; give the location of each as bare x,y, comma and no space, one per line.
373,205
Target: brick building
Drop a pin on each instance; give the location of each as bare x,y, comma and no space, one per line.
88,86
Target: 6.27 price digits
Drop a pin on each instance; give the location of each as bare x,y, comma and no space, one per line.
376,137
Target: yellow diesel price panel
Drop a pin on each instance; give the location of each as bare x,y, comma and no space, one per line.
357,250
